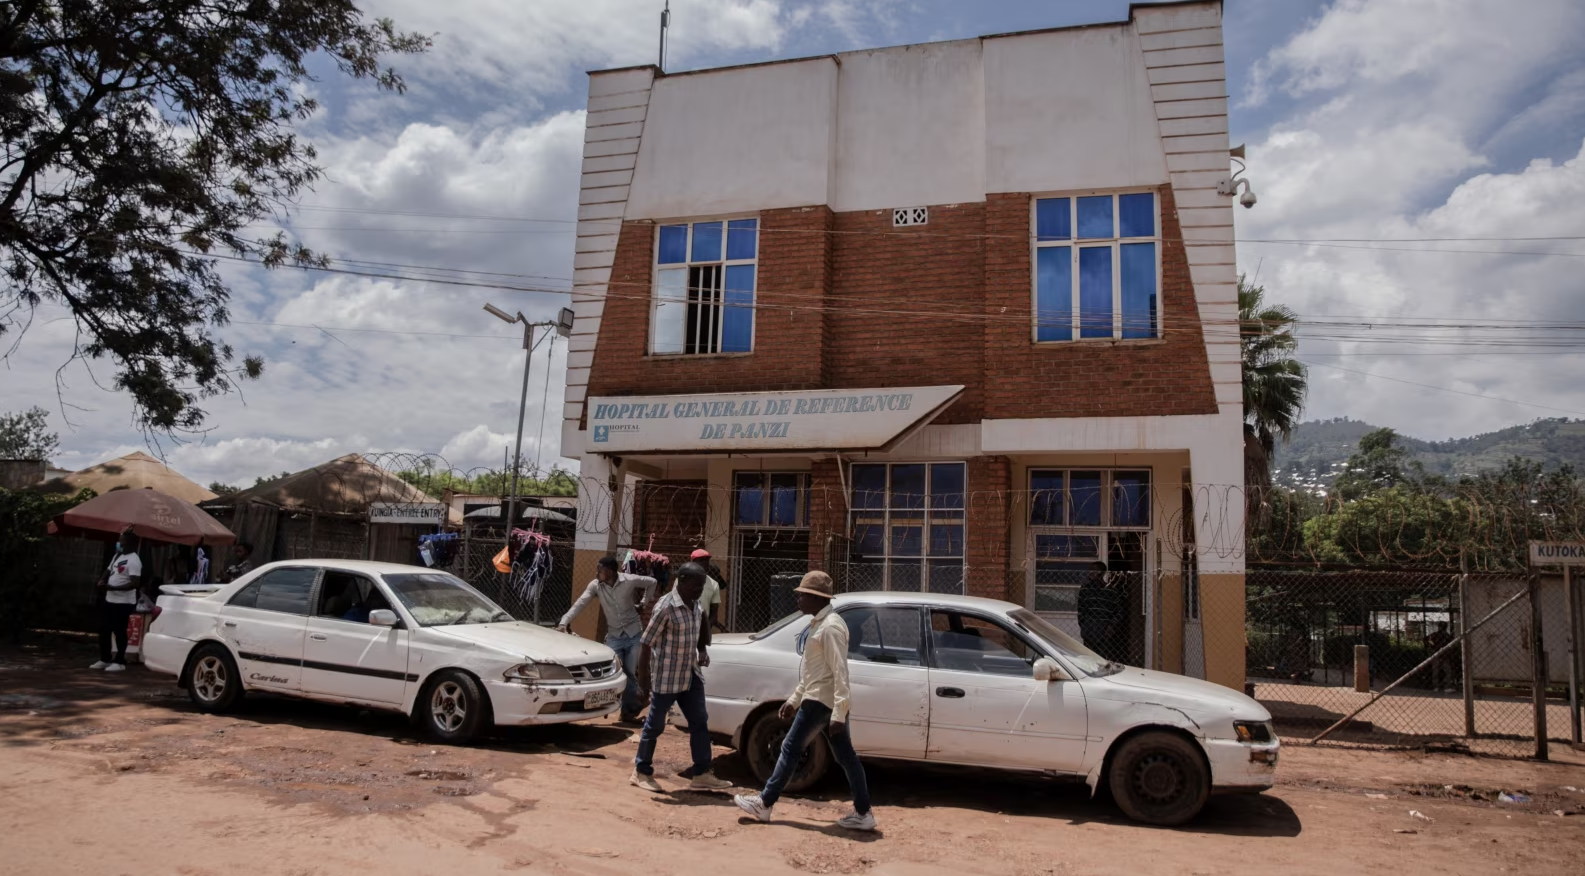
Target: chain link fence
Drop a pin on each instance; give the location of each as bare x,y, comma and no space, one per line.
1323,645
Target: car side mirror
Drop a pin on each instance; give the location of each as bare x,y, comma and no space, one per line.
383,617
1047,669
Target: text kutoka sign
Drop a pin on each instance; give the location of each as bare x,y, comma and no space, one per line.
822,419
1557,553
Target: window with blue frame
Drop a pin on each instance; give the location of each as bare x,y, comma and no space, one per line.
771,499
1078,517
1097,267
704,287
908,527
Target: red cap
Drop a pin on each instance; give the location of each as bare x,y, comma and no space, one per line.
700,554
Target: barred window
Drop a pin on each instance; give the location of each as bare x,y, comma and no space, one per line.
704,287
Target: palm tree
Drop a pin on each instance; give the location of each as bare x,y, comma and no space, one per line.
1275,385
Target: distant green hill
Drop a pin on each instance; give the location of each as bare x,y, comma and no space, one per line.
1320,448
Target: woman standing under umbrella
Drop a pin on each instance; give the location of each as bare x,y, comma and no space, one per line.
119,585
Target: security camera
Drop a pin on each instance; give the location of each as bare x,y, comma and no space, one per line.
1247,198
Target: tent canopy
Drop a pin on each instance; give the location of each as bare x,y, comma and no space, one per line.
345,485
135,471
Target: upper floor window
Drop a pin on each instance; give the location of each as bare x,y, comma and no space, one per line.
704,287
1097,267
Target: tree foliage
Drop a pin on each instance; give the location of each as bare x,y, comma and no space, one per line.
25,435
426,476
142,140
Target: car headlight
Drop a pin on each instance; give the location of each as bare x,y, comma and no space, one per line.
545,673
1254,732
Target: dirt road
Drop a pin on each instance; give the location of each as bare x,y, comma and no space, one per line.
117,774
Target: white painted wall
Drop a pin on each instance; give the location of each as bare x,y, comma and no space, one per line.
737,141
910,127
1069,110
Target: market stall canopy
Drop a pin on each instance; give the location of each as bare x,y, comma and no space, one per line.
151,514
135,471
345,485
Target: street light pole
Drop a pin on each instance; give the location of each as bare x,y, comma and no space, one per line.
563,327
522,409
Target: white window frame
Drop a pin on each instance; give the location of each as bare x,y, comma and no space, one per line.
925,560
687,264
1076,243
1102,533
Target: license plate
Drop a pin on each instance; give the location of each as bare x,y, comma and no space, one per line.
599,699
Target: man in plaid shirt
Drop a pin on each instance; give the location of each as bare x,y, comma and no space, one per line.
668,667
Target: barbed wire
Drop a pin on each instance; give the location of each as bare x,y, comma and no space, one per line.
1474,525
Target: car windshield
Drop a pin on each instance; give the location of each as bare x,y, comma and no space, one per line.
437,599
1087,661
775,625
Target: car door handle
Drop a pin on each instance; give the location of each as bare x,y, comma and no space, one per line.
317,637
230,623
951,693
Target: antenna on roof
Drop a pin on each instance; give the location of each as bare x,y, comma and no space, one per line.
665,22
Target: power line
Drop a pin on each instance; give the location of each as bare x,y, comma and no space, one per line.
1446,389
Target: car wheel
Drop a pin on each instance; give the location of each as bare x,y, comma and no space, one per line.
212,679
1159,778
452,707
763,748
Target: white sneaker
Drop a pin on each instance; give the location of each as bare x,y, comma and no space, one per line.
855,821
754,806
115,667
99,664
648,783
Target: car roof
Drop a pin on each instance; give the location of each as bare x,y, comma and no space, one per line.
368,567
933,600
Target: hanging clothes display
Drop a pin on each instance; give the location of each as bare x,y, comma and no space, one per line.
657,566
439,549
200,567
532,563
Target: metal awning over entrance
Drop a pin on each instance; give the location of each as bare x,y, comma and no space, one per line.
775,422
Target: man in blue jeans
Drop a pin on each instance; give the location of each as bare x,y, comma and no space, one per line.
621,597
668,666
820,702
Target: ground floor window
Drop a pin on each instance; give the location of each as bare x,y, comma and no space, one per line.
907,527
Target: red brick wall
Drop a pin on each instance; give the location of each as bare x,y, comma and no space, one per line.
672,516
986,540
935,270
828,511
1087,379
828,319
793,276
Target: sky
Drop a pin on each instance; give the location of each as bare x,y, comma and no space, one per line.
1371,125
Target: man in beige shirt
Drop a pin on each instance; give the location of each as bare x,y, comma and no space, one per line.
820,702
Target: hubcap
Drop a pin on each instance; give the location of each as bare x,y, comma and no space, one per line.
209,678
1159,778
449,706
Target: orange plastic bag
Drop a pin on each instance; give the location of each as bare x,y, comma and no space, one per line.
503,561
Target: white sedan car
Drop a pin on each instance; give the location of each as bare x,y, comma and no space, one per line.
979,682
382,636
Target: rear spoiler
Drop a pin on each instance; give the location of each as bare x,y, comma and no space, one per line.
189,589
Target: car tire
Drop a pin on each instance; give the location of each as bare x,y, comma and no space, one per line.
1159,778
762,746
452,707
212,680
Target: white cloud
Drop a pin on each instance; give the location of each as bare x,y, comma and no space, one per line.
482,448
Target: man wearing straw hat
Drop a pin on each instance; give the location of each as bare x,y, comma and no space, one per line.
820,702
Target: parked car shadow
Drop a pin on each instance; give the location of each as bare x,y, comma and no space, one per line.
922,786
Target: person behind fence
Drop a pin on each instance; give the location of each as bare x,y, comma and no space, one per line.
241,562
621,597
1442,670
118,589
668,667
1100,610
820,702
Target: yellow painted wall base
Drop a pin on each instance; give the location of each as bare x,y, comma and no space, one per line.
587,623
1222,618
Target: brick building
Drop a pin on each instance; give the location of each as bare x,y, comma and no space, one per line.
958,317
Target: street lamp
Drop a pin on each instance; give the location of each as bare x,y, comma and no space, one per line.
563,326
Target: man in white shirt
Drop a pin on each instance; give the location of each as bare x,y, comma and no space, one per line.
820,702
621,596
119,585
711,600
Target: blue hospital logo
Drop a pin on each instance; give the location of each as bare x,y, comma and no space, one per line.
602,434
